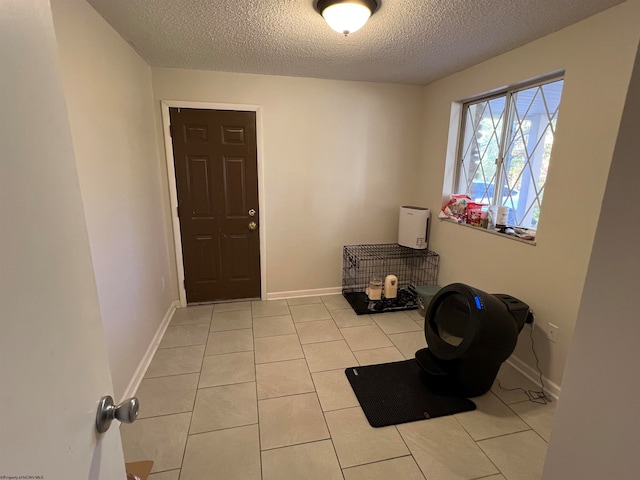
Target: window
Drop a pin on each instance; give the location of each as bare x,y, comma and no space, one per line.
505,148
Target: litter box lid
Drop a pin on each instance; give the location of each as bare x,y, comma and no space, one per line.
462,319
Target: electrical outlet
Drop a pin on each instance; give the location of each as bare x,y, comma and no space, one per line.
552,332
162,281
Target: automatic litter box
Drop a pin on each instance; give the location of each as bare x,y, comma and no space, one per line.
469,334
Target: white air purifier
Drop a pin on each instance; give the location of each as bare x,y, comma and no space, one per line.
413,228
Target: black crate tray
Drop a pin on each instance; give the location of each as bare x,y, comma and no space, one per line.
361,303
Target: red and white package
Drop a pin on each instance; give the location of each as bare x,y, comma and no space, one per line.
474,213
455,208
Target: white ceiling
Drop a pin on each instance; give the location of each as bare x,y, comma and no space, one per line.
405,41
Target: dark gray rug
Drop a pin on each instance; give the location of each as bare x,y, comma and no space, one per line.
398,392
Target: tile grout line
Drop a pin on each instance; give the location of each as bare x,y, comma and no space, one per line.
315,387
184,451
255,369
477,446
360,407
521,418
504,435
255,380
324,416
386,460
189,345
508,405
171,375
396,426
424,474
255,376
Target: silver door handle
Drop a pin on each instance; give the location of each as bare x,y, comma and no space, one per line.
126,412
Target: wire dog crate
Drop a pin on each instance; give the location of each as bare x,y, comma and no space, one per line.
362,263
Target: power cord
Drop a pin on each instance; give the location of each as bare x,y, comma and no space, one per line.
535,396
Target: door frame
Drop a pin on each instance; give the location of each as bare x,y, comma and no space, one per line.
173,192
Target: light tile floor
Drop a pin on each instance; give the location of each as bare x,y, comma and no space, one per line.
257,390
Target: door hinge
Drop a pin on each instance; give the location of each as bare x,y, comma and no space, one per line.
171,130
178,211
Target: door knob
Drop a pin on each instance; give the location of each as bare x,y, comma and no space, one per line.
126,412
253,226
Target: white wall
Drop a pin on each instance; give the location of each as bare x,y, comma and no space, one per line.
339,160
109,96
597,55
597,425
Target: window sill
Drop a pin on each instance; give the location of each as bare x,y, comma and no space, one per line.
492,232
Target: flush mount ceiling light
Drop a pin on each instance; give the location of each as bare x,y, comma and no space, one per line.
347,16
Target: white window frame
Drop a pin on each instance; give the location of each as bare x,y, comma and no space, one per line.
505,134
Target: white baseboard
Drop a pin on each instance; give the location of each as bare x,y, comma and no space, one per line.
532,374
304,293
132,388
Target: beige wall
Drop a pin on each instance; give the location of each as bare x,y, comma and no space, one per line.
339,159
597,55
109,97
596,432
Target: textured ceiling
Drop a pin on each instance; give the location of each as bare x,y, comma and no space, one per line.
405,41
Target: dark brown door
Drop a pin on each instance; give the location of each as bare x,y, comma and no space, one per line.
217,182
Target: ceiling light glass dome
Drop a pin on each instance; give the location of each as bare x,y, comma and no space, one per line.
347,16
